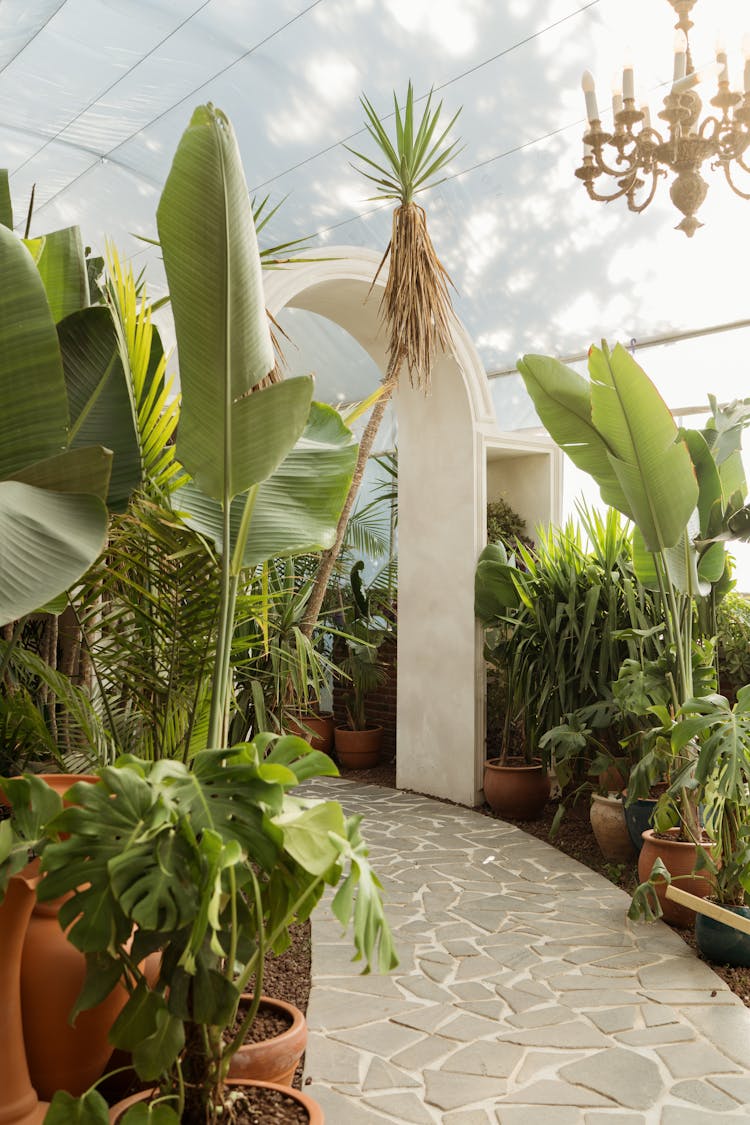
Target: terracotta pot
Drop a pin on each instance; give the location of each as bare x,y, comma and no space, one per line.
679,859
358,749
517,791
60,782
275,1059
722,944
608,823
321,724
314,1111
61,1057
19,1104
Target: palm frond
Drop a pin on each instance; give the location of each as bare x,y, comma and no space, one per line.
154,395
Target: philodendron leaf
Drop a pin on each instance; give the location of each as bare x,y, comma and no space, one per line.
89,1109
102,974
138,1020
155,1054
307,834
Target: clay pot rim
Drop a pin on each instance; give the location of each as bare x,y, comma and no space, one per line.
313,1109
669,839
535,765
369,729
612,798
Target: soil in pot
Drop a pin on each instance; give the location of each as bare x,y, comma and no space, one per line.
721,944
679,859
516,789
252,1103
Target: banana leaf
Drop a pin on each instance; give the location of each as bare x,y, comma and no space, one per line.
297,507
211,257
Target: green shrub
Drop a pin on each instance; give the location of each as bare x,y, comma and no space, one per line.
733,636
505,525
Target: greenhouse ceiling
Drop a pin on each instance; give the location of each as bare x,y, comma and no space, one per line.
94,95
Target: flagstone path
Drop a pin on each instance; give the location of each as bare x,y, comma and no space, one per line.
523,994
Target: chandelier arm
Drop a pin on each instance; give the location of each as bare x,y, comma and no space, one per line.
638,207
598,198
737,191
741,161
629,170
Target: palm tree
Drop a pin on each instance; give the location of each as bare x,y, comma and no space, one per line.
416,306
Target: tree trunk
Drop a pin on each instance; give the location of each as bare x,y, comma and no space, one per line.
330,557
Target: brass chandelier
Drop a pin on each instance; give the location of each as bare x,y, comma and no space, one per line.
636,154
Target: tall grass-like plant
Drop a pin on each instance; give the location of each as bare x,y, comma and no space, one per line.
562,618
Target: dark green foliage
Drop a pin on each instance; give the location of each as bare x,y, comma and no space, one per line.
505,525
562,628
733,640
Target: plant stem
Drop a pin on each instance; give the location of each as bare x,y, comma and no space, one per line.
330,557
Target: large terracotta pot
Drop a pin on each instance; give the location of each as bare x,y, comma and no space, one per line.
611,831
315,1113
19,1104
722,944
61,1057
516,791
678,857
320,724
358,749
275,1059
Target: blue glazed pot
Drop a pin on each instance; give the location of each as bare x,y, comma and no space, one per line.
638,819
721,944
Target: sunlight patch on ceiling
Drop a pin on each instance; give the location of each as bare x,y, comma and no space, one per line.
453,28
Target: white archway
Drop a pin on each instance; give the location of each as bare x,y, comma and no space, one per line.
443,444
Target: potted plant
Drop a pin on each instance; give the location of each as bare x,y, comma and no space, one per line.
235,433
210,866
358,743
721,778
584,742
680,490
514,785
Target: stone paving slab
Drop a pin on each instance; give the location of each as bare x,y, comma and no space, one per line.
524,995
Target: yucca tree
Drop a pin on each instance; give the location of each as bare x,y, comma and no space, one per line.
416,306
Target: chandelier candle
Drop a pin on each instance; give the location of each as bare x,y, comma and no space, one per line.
636,155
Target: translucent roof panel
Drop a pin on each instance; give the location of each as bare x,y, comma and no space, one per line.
94,95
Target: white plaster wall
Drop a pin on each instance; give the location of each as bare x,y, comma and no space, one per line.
442,497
